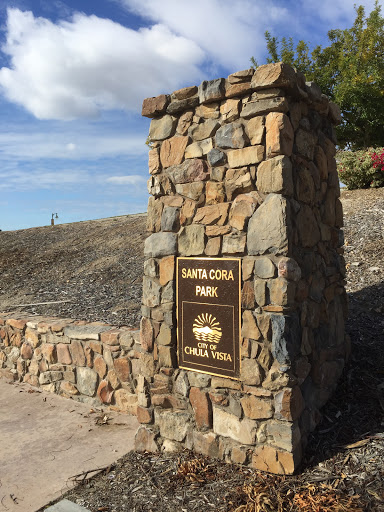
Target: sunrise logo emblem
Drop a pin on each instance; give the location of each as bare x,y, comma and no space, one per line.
206,328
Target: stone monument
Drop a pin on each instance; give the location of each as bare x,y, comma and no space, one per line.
244,305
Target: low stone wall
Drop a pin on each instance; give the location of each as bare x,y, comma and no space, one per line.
90,362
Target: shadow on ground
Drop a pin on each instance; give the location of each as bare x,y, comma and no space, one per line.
356,410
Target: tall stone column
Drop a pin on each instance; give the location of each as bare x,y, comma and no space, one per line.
244,167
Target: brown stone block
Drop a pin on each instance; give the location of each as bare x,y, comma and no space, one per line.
32,380
110,337
184,122
217,230
154,106
185,92
172,150
125,401
289,404
245,156
205,443
249,327
281,291
26,351
242,208
16,323
144,415
154,161
275,175
248,296
256,408
255,129
202,407
240,89
214,192
99,366
279,135
122,368
213,246
166,269
49,352
32,337
145,440
264,324
77,353
274,75
213,214
146,334
267,458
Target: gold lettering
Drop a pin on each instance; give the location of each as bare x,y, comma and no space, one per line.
183,273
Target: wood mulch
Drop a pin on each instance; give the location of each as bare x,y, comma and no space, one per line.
98,266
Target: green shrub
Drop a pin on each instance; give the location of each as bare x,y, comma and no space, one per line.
361,169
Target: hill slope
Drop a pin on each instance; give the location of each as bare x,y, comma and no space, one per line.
96,266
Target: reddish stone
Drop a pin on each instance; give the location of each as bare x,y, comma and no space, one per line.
122,368
146,334
105,392
100,366
155,106
17,324
63,355
202,407
26,351
16,339
289,404
49,352
77,353
110,337
144,415
166,270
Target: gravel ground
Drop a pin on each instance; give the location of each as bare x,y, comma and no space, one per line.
97,266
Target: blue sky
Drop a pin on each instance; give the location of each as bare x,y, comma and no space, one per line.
74,73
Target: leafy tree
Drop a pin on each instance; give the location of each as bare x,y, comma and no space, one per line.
350,71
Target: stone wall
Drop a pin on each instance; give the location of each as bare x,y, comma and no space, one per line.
90,362
245,167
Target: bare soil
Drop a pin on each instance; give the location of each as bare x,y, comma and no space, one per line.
97,267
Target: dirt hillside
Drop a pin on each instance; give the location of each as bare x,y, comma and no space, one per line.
94,266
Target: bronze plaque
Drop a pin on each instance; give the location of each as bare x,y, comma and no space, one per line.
208,315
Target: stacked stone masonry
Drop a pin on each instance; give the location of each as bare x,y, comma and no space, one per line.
245,167
91,362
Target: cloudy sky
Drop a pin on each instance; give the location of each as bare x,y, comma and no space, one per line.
74,73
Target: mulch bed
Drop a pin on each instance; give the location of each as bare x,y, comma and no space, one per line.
343,468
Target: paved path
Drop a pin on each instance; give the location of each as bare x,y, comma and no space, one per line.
46,439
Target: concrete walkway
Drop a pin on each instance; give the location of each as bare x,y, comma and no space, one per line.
46,439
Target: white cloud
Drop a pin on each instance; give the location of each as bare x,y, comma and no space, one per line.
33,146
77,68
229,31
126,180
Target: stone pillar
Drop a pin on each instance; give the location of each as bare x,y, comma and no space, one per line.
245,167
